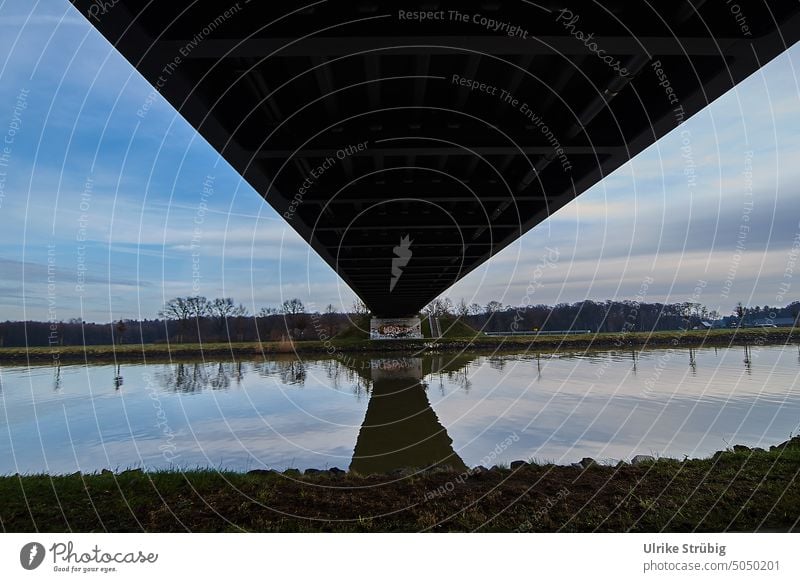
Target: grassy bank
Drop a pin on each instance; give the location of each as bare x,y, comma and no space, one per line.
476,341
739,490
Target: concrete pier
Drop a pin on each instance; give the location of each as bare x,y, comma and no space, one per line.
384,328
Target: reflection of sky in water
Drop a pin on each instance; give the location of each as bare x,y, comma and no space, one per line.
283,414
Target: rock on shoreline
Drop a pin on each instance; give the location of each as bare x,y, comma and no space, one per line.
583,464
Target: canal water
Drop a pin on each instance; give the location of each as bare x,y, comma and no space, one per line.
386,412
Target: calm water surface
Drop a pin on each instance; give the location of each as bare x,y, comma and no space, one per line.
378,414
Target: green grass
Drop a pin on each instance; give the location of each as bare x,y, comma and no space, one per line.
454,328
357,330
458,337
425,327
733,491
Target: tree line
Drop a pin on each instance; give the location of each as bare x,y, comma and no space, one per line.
199,319
605,316
184,320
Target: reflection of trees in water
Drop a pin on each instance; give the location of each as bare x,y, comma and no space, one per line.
118,379
221,380
197,376
437,379
748,361
341,375
353,374
182,377
293,372
459,377
360,386
335,373
289,371
497,363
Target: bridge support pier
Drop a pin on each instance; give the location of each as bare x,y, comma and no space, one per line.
395,328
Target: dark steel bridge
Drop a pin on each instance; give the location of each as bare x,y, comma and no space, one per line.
410,142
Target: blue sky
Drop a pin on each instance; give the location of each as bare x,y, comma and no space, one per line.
83,165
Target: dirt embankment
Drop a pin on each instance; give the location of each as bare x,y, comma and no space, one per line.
736,490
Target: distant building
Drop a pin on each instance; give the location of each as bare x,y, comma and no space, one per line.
776,322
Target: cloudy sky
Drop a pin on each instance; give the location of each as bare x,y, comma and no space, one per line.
107,200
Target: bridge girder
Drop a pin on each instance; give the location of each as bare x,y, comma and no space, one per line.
461,173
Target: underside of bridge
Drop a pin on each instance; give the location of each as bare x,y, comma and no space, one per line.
410,142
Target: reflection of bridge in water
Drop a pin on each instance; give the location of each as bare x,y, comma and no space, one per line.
400,429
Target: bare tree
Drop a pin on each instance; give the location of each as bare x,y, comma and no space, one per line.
199,306
177,309
182,309
462,309
360,308
439,307
293,307
493,306
223,309
446,306
294,314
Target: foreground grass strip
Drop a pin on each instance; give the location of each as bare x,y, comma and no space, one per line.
748,491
